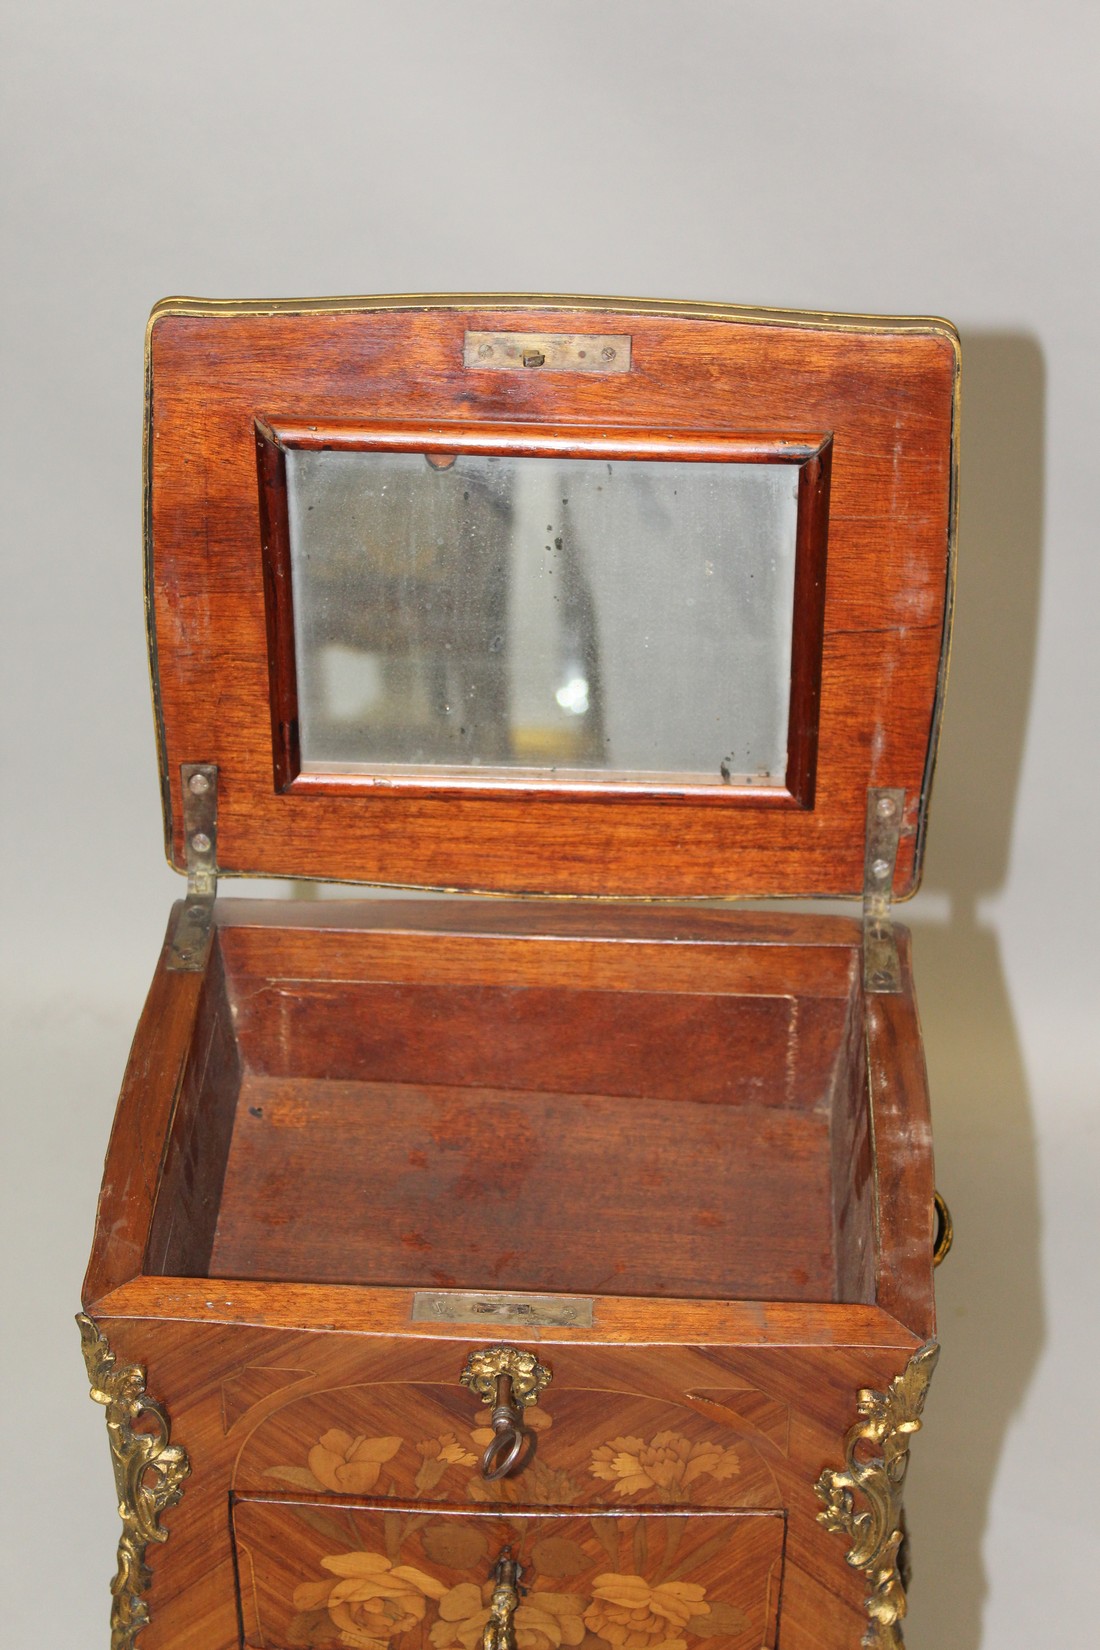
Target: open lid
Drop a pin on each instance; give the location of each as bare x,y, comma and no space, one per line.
558,595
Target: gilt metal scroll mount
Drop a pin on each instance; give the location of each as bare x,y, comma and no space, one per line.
149,1475
876,1450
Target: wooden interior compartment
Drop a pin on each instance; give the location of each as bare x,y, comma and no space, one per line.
583,1114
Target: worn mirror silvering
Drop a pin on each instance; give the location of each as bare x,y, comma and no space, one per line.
575,618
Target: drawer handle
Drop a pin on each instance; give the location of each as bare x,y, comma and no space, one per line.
500,1632
508,1380
945,1232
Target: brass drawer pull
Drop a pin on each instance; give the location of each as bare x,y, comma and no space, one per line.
945,1232
508,1380
500,1632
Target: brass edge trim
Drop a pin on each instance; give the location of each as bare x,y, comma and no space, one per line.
925,805
701,309
149,1474
151,654
876,1450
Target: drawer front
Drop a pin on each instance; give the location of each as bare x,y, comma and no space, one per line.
340,1574
719,1448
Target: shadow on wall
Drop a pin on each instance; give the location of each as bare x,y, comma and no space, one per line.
989,1291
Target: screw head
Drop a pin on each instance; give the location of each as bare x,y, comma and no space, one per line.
200,842
886,807
484,350
608,353
880,868
198,784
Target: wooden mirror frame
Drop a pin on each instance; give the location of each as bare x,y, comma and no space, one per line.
811,455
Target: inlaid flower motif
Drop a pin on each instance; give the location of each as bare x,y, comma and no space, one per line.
463,1612
436,1455
669,1463
352,1465
371,1601
543,1620
630,1613
538,1483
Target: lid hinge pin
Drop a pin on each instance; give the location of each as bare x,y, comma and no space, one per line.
190,942
881,967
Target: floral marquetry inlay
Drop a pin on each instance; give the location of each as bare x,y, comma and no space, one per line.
581,1457
406,1580
668,1462
367,1600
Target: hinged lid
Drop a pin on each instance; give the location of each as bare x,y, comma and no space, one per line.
575,596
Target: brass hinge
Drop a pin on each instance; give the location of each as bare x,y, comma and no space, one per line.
881,967
190,941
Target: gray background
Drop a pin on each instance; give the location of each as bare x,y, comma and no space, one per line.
864,156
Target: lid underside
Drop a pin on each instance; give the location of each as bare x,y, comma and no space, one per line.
550,596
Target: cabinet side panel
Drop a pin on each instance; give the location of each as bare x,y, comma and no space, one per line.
852,1162
189,1196
904,1172
142,1119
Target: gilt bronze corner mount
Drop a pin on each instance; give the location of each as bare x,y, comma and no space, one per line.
877,1453
149,1474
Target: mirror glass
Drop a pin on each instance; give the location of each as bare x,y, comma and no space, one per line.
575,618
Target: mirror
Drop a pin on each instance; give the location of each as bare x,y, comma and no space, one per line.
571,618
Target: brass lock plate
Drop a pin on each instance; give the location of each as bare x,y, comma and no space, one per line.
547,351
512,1311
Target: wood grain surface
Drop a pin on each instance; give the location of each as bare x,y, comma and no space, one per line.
384,1038
316,1574
886,396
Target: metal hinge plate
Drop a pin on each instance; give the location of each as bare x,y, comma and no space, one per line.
548,351
190,942
881,966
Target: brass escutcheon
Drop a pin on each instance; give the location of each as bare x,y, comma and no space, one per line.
508,1380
